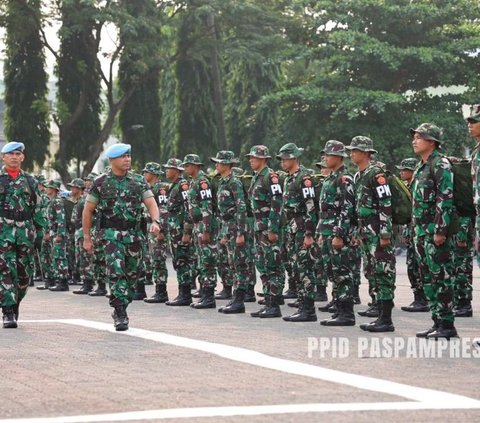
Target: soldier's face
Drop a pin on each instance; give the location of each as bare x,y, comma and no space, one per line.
358,156
172,174
222,169
148,177
406,174
288,164
421,145
88,184
256,163
333,162
13,160
51,192
122,163
474,129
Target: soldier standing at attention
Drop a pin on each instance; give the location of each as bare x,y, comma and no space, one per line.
118,196
432,214
299,209
265,194
202,226
335,232
18,197
374,222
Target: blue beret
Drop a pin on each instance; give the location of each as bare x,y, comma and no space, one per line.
117,150
13,146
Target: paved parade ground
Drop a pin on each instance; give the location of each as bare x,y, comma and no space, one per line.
65,363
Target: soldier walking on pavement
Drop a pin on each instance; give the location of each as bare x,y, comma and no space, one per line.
374,224
432,218
18,197
118,196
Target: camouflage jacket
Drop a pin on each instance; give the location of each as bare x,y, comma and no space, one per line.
299,202
336,203
432,196
265,196
373,202
41,211
160,192
76,220
56,217
231,203
177,205
200,204
119,199
476,176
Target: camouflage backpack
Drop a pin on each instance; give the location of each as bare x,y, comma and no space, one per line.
401,200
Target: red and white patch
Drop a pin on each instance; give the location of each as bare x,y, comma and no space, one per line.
307,182
203,185
185,186
274,180
381,179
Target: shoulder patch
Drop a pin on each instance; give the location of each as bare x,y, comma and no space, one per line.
204,184
185,186
307,181
381,179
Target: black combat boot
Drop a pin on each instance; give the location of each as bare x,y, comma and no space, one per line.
184,297
225,293
101,290
445,330
295,304
384,322
250,294
419,304
321,293
326,307
207,301
272,309
371,311
47,283
120,318
61,285
9,321
198,293
160,295
356,295
463,308
425,333
291,292
140,292
306,312
236,305
257,313
86,287
344,316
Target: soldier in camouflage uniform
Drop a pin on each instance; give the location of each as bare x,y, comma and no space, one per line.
41,225
202,226
432,214
419,304
158,244
299,209
69,202
183,255
232,213
118,196
335,232
374,225
18,196
265,195
57,234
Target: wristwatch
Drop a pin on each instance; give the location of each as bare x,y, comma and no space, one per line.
157,221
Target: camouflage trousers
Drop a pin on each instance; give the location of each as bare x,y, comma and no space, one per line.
206,259
72,265
59,260
225,272
357,264
463,268
477,235
99,260
321,276
158,256
379,267
437,273
84,261
412,268
38,265
268,260
338,265
236,256
302,261
183,257
291,275
46,259
123,254
16,261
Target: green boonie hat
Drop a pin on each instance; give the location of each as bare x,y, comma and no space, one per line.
408,164
322,163
361,143
259,151
41,179
77,182
225,157
289,151
173,163
153,168
91,176
428,131
54,183
237,171
192,159
474,114
334,148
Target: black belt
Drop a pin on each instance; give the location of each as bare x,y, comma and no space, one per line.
118,225
18,216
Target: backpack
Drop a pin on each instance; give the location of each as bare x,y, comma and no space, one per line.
462,186
401,200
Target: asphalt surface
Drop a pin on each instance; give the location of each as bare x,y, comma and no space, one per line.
60,368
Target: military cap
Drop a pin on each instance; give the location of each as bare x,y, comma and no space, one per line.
173,163
192,159
289,151
259,151
53,183
428,131
41,179
361,143
334,148
408,164
9,147
474,114
118,150
153,168
322,163
225,157
237,171
77,182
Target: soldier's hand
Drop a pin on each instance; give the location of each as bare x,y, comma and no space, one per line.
88,245
462,244
307,241
46,237
337,243
161,236
57,239
205,238
155,229
240,240
384,242
439,240
186,239
272,237
223,241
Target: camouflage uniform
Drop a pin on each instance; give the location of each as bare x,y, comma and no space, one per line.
42,255
18,198
299,209
432,212
475,118
73,270
463,266
336,219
